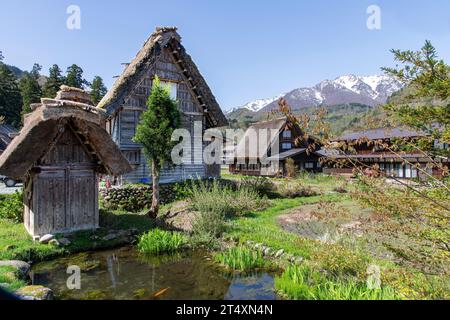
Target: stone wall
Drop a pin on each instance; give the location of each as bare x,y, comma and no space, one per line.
136,198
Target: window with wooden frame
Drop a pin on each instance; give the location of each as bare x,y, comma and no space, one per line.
309,165
173,88
286,146
287,134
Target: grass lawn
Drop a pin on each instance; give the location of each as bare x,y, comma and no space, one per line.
262,226
345,265
16,243
9,278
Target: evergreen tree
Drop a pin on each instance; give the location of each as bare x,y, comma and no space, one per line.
54,82
30,89
10,98
74,77
425,105
154,132
98,90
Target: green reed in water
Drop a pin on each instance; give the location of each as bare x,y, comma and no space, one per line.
241,259
159,241
304,283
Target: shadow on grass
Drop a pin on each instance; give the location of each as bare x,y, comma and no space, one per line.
118,220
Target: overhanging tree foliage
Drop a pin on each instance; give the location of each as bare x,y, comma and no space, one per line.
426,104
154,133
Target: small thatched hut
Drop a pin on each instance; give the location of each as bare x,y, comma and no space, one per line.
59,153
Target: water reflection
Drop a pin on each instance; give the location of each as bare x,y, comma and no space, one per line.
124,274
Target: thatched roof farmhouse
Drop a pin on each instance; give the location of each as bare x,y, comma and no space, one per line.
164,56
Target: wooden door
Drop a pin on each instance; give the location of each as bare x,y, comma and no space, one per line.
49,202
64,200
65,187
82,199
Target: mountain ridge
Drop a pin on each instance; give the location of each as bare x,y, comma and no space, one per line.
366,90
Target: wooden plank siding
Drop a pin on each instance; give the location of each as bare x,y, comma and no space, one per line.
125,121
64,189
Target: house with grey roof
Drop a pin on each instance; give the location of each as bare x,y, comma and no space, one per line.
265,147
387,150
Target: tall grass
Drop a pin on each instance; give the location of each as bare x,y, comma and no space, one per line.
223,199
159,241
304,283
241,259
215,203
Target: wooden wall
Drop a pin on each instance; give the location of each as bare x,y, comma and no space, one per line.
61,193
124,125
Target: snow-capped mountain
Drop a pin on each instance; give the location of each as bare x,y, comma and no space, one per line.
379,88
257,105
366,90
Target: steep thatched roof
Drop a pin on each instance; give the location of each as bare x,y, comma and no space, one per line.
41,128
164,38
242,149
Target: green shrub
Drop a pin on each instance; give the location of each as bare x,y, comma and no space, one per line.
263,185
9,278
215,203
340,261
303,283
11,207
223,200
241,259
295,189
208,226
212,198
159,241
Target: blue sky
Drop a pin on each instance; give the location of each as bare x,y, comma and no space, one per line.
246,49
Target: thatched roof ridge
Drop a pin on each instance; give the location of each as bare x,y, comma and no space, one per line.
274,124
42,126
163,37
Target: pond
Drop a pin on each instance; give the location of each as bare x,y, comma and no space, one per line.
124,274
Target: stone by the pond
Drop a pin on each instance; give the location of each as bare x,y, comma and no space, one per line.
289,257
279,253
267,252
46,238
64,242
21,266
10,247
35,293
298,260
54,243
110,237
